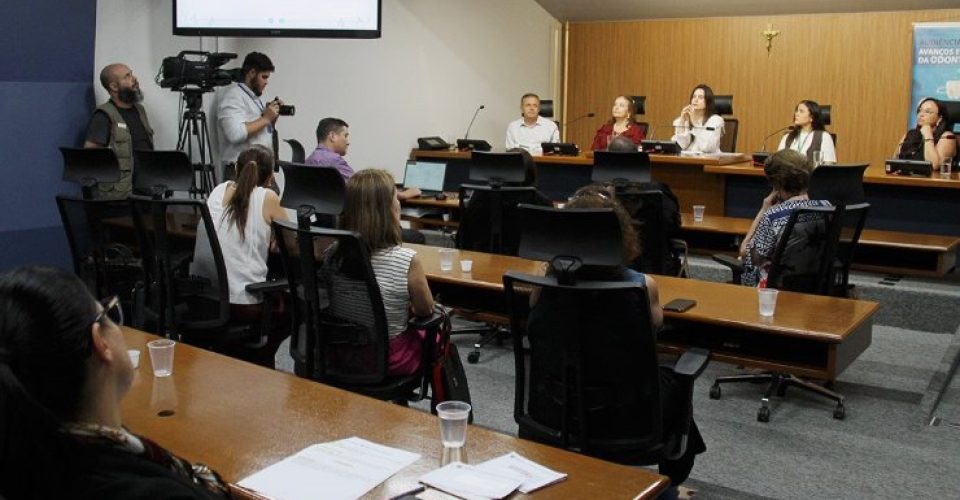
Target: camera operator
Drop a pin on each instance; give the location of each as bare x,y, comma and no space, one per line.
243,117
120,124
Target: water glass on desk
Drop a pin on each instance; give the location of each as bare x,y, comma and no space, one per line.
446,259
161,356
453,423
946,167
817,158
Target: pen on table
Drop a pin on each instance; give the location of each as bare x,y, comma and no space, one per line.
418,489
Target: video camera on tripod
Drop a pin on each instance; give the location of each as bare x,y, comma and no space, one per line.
202,71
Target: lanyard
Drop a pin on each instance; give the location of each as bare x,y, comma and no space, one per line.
256,101
801,139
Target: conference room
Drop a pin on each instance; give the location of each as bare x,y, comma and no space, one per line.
883,339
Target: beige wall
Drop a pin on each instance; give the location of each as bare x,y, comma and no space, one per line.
859,63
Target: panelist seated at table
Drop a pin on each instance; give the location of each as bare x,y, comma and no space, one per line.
789,173
64,369
372,209
242,212
531,130
541,313
621,123
698,128
930,140
809,134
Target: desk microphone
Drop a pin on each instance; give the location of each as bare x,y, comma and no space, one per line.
475,113
575,120
763,149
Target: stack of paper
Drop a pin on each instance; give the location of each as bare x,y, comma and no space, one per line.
344,469
496,478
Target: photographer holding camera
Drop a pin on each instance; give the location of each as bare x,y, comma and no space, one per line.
243,117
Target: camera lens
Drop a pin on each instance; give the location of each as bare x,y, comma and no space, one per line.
287,110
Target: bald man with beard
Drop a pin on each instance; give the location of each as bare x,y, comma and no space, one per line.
120,124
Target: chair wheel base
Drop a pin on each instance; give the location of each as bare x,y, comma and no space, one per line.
763,415
840,412
715,391
473,358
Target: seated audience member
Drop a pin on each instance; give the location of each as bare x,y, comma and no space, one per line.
371,208
789,173
64,370
808,134
620,124
930,140
699,128
531,130
333,139
540,318
242,211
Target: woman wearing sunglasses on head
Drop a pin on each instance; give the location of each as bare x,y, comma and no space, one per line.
64,369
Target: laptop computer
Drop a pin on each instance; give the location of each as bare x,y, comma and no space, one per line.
426,175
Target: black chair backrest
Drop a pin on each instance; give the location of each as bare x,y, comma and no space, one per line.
731,129
839,184
640,104
825,111
102,241
852,220
344,340
297,153
620,167
187,284
321,188
489,219
646,207
497,168
644,128
89,167
953,113
546,108
593,235
804,254
586,367
161,172
723,104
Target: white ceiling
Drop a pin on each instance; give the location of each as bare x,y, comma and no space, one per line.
606,10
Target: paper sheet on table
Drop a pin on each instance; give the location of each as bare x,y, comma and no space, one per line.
466,481
343,469
533,475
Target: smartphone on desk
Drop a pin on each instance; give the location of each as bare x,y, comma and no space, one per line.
679,305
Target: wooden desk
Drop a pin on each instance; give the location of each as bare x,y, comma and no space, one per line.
810,336
560,176
239,418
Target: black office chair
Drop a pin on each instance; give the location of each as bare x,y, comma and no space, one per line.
297,153
187,293
90,167
723,104
852,220
839,184
661,252
640,106
160,173
803,261
619,167
343,338
598,394
102,243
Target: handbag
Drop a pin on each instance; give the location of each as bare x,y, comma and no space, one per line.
448,380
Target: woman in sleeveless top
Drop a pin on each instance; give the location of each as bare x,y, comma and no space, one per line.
620,124
809,134
242,211
64,370
372,209
930,140
699,127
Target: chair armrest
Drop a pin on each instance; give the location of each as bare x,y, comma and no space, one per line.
678,245
428,323
692,363
266,287
732,262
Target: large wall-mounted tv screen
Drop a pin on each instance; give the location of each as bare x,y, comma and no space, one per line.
278,18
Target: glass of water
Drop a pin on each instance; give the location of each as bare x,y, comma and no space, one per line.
453,423
946,166
817,158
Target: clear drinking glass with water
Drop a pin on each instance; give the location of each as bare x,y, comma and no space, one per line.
453,423
817,158
946,166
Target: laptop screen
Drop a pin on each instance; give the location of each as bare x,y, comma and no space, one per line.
428,176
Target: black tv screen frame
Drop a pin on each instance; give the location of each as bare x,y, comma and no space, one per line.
280,33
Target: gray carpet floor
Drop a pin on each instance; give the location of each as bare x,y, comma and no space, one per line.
883,449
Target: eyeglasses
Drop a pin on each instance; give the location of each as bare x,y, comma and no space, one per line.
111,310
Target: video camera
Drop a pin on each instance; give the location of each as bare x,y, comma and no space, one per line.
202,71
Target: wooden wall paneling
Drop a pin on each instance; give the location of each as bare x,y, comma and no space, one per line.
859,63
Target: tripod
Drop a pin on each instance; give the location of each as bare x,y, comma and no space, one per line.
194,125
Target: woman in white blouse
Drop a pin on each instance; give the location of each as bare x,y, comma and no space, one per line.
699,128
808,134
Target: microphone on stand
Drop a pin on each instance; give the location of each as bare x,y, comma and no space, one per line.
475,113
761,156
588,115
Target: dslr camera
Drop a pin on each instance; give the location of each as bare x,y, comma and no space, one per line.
286,109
